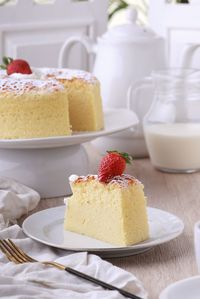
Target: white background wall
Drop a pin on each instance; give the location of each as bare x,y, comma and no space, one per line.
36,32
179,24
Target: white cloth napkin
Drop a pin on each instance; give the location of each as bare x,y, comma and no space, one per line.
34,280
15,200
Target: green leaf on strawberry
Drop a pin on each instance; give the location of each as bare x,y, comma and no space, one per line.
124,155
7,60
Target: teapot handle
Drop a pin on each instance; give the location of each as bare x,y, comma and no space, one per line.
133,99
187,55
88,44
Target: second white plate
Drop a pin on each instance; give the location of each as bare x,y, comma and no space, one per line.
188,288
47,227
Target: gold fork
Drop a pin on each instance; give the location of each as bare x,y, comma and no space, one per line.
18,256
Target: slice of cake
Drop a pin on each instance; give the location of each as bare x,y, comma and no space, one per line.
85,105
111,209
33,108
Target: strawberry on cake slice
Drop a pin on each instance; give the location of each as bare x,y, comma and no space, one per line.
110,206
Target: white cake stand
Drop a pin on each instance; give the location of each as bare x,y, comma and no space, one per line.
45,164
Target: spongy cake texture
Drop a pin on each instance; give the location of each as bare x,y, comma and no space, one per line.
33,108
114,212
85,105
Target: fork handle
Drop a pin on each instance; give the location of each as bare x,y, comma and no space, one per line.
101,283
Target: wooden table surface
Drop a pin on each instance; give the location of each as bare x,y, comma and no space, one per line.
175,260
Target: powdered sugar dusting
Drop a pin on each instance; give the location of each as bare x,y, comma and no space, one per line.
52,73
22,86
123,180
82,178
73,178
3,74
20,76
67,74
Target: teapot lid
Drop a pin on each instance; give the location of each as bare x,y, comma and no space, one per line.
130,31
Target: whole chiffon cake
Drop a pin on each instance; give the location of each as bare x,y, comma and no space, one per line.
49,102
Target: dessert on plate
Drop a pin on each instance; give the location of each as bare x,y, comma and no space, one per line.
81,101
110,206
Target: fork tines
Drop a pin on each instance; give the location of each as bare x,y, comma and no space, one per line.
13,253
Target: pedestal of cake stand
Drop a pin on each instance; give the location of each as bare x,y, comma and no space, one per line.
45,170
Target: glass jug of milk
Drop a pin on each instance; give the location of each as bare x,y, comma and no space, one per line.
172,125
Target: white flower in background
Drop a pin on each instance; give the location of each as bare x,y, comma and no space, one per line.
140,5
2,2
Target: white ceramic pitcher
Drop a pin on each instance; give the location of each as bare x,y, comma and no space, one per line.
124,54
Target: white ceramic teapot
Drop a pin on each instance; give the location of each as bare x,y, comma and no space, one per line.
124,54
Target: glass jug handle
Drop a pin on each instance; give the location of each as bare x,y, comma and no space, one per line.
187,55
135,102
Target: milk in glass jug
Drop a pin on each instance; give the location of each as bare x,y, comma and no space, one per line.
172,125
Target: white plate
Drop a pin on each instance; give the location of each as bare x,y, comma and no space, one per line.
184,289
47,227
116,120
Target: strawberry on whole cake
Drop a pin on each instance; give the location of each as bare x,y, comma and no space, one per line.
13,66
72,101
110,206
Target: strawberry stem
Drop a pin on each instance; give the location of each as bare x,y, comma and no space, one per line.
124,155
6,62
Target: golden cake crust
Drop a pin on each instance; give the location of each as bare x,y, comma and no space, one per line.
63,74
123,180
